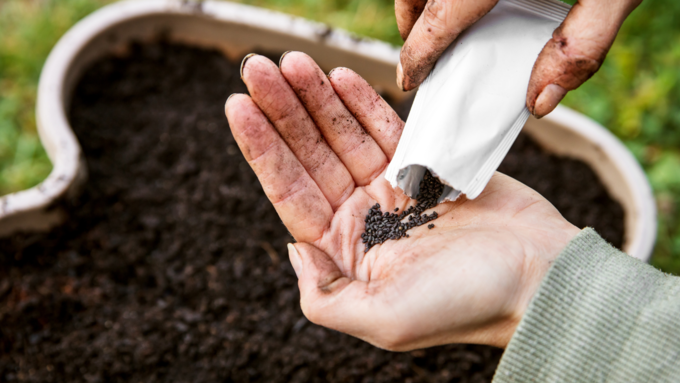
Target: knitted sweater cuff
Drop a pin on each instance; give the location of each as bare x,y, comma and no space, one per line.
599,315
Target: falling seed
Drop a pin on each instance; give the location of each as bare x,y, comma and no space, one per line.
382,226
430,226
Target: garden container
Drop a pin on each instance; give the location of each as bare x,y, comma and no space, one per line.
237,30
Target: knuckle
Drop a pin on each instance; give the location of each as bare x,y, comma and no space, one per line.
566,61
280,113
591,50
436,14
287,195
577,60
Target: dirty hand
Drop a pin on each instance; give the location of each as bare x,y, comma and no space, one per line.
575,52
320,145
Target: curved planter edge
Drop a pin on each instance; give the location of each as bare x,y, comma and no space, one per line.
35,209
640,246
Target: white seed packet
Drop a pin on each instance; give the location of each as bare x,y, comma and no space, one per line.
471,107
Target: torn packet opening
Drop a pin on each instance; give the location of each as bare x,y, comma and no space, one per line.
471,107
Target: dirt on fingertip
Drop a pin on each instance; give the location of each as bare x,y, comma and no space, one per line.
172,264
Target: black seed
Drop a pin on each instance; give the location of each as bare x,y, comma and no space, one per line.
382,226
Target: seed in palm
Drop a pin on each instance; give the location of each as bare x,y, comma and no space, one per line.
381,226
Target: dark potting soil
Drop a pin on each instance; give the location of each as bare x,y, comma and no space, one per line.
172,266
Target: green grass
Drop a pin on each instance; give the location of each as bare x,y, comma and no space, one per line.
636,94
28,30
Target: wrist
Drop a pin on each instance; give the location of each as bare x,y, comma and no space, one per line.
535,270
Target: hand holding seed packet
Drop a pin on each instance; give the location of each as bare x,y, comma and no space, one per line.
473,61
470,109
369,266
575,51
320,146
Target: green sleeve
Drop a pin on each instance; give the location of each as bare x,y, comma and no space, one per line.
598,316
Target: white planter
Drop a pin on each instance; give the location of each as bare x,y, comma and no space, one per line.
237,30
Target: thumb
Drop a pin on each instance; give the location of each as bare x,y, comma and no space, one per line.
438,25
316,271
329,298
407,13
575,52
320,281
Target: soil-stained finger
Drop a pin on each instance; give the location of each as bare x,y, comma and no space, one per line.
436,28
276,99
362,156
300,203
575,52
371,110
407,12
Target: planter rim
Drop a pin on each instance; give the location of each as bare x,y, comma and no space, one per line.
53,128
66,156
642,244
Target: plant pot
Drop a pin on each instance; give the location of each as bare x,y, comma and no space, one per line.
563,132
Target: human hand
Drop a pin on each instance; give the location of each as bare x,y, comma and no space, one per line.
320,145
575,52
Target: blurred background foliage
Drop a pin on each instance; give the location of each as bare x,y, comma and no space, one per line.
28,31
636,94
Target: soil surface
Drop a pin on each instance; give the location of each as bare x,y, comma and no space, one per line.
172,266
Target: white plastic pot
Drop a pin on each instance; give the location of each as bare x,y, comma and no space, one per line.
237,30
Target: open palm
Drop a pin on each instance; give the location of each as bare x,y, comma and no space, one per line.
320,145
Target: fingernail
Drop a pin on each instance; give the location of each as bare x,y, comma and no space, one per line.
400,77
333,70
295,260
548,100
227,102
243,63
282,56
